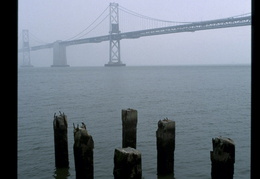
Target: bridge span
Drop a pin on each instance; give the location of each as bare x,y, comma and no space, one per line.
114,37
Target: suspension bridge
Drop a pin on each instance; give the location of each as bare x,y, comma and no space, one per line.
115,34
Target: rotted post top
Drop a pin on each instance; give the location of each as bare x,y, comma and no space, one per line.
166,124
81,136
60,122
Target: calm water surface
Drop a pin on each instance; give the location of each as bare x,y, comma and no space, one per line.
204,101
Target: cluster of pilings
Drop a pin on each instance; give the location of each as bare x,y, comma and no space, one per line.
127,159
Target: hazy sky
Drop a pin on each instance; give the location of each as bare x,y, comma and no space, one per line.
51,20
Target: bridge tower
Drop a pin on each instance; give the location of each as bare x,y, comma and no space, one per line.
26,49
59,55
114,42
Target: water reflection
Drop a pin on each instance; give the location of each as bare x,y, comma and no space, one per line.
61,173
170,176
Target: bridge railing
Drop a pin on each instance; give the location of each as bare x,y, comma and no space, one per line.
192,27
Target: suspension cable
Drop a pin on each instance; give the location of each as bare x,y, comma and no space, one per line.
147,17
241,15
89,26
160,20
94,27
37,40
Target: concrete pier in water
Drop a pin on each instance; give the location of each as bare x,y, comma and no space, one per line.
59,55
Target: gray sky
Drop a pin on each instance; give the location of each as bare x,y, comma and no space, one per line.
52,20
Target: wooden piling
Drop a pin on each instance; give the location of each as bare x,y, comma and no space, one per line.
83,153
165,140
127,163
60,127
129,121
222,158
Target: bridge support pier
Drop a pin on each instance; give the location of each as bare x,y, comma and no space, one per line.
26,49
114,44
59,55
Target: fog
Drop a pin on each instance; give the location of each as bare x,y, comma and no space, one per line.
51,20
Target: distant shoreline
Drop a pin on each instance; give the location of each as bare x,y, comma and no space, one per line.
187,65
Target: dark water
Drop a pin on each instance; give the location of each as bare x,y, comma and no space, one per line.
204,101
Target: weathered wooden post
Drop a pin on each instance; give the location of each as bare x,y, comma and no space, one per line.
127,163
129,121
83,153
222,158
60,126
165,139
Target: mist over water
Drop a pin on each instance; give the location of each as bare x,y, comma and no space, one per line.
204,101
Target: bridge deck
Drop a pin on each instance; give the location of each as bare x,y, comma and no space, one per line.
191,27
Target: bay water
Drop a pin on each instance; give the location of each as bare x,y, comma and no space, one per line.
204,101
